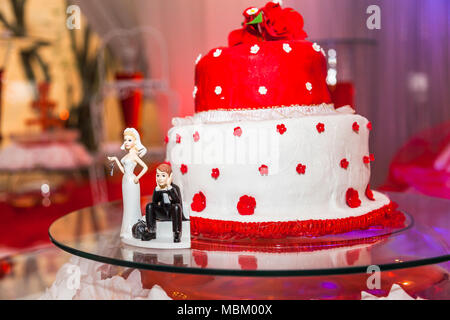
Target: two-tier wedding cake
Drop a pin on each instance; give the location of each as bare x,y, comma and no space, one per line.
266,154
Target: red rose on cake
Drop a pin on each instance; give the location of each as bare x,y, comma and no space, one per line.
249,32
281,24
268,23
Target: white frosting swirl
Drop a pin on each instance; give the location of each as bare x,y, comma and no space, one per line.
271,113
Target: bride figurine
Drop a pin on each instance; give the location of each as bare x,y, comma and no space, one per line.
131,191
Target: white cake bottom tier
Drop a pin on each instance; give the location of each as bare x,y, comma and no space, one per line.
294,169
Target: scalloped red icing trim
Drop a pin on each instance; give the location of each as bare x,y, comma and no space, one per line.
221,229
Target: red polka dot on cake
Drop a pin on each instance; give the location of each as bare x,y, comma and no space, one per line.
198,202
301,169
237,131
369,193
355,126
281,128
352,198
263,170
320,127
215,173
246,205
178,138
344,163
196,136
183,169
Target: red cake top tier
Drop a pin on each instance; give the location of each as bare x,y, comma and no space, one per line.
267,64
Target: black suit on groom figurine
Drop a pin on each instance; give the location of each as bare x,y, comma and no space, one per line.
166,205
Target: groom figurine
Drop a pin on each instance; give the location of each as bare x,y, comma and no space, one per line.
166,204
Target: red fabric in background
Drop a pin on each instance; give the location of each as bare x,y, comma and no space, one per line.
131,99
342,94
22,228
414,164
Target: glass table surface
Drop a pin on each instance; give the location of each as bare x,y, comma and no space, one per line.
93,233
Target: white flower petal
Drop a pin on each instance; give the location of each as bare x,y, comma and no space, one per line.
287,47
218,90
252,11
316,47
217,53
262,90
254,49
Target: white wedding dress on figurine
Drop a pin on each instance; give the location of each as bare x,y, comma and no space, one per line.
131,195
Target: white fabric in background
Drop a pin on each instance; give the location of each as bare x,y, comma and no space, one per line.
396,293
93,285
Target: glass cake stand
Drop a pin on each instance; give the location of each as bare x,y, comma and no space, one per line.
333,267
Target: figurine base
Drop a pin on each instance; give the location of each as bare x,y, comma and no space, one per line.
164,237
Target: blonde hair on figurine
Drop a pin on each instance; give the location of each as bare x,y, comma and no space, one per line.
137,143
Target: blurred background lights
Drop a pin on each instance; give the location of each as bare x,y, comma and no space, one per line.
46,202
332,53
45,188
332,71
64,114
332,77
332,58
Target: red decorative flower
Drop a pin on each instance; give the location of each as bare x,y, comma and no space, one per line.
247,262
281,24
246,205
166,139
247,34
183,168
320,127
371,157
369,125
268,23
237,131
301,169
355,126
369,193
344,163
178,138
198,202
352,198
264,170
366,159
281,128
215,173
196,136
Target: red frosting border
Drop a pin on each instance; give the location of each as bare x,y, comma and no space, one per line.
386,216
